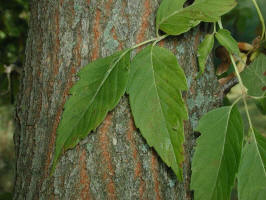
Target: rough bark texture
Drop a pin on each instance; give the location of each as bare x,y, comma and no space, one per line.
114,162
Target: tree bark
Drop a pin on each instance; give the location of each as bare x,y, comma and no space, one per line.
114,162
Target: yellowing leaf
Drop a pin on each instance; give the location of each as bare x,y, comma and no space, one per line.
101,85
155,85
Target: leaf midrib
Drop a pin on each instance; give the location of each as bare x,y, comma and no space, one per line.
216,178
178,11
257,148
160,102
99,88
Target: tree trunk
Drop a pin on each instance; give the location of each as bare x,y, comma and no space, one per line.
113,162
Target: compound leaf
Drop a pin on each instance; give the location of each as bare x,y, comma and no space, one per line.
217,156
155,85
101,85
252,169
173,19
254,76
225,39
204,50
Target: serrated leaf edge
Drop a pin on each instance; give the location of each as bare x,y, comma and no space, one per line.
56,158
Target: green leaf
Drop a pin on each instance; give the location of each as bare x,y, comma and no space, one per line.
225,39
99,89
261,105
173,19
254,76
217,156
204,50
252,173
155,85
2,69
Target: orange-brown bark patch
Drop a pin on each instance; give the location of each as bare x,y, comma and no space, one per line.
144,22
138,167
115,38
107,161
197,40
96,32
108,7
55,66
77,50
154,167
84,179
57,44
65,94
161,43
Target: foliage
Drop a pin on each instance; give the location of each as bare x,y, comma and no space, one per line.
252,182
173,19
154,83
243,20
215,170
225,39
14,16
7,154
101,85
254,76
204,50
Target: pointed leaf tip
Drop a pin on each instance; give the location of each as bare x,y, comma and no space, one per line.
155,85
99,89
225,39
204,50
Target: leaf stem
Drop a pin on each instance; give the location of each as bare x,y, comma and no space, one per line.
220,24
257,98
237,100
243,89
157,39
261,19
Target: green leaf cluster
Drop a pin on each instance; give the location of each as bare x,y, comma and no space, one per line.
216,160
154,82
223,153
154,87
243,20
224,38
